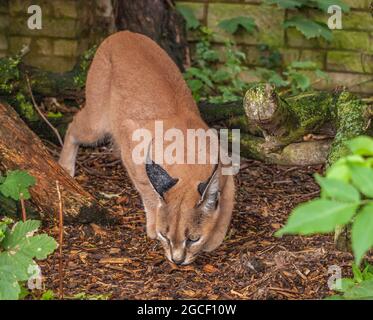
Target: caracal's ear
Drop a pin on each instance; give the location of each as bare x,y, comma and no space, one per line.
210,192
158,177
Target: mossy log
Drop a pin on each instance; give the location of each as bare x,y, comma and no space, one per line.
304,129
21,149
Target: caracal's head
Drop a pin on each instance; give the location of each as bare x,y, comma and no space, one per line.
193,214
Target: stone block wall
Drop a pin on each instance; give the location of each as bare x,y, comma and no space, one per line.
72,26
69,27
348,59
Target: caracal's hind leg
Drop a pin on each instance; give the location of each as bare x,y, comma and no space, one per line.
81,131
90,124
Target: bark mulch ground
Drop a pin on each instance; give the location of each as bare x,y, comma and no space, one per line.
115,259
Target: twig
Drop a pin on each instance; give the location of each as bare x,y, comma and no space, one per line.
24,217
60,267
170,4
41,113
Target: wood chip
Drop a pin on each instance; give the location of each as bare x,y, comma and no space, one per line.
115,260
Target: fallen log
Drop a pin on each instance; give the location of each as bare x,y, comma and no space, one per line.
21,149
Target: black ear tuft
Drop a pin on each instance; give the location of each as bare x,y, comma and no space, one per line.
202,187
159,178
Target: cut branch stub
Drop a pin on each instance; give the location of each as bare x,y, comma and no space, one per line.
265,109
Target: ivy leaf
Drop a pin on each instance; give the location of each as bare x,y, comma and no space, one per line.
325,4
198,73
362,145
321,74
338,190
190,19
233,25
287,4
362,233
310,29
221,75
195,84
278,81
301,81
15,183
318,216
362,178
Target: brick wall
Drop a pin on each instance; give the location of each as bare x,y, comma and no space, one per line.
69,27
72,26
348,59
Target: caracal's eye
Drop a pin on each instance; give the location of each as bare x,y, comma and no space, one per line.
193,239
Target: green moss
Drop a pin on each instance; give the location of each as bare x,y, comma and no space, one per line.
9,73
81,70
350,119
25,108
252,147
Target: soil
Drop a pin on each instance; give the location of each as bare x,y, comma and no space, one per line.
115,259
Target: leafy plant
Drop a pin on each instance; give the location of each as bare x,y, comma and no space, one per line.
292,76
234,25
18,249
15,183
346,198
360,286
308,27
213,78
189,17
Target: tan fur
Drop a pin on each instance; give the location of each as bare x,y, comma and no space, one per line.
131,83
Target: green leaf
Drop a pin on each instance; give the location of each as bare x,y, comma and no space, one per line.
321,74
346,283
362,145
325,4
17,182
9,287
362,232
310,29
47,295
24,292
302,81
195,84
318,216
54,115
188,14
358,276
233,25
362,178
287,4
363,290
339,171
278,81
19,231
38,247
335,297
198,73
338,190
